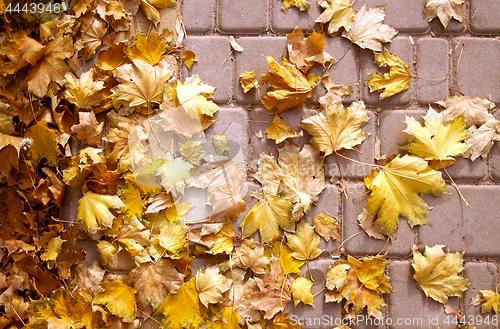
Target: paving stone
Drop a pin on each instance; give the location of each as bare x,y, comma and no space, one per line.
260,119
345,71
410,304
393,139
365,153
453,28
328,203
249,16
213,66
408,18
482,276
484,16
432,63
321,314
282,23
464,228
401,47
478,72
69,206
198,16
253,57
361,243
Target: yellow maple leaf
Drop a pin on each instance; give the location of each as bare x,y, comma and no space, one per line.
302,5
436,272
93,209
183,308
189,58
43,143
279,130
336,127
393,82
83,92
134,236
395,191
337,13
149,49
65,309
175,173
326,226
119,299
222,241
150,8
248,81
289,263
289,86
211,285
230,320
53,249
301,291
488,299
172,237
360,282
304,52
141,83
304,243
194,97
131,197
267,216
436,142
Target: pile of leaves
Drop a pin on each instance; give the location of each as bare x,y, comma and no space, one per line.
134,204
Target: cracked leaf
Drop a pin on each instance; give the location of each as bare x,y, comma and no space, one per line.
395,191
390,83
337,13
435,141
289,86
304,52
445,10
436,272
336,127
367,30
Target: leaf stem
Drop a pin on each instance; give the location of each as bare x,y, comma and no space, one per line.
358,162
455,185
456,71
404,269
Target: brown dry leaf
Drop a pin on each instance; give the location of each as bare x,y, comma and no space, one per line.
89,130
112,57
279,131
480,140
304,52
337,13
140,83
474,109
23,51
92,32
234,44
367,30
83,92
252,256
445,10
149,49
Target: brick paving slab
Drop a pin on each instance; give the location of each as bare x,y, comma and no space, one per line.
409,302
484,16
213,66
365,153
409,18
362,244
478,72
282,23
253,58
463,228
454,28
432,63
198,16
466,170
482,276
401,47
244,16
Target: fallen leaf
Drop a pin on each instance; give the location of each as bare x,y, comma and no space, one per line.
119,299
175,173
92,32
150,48
234,44
302,5
327,227
195,97
189,58
304,52
337,14
248,81
23,51
43,144
222,241
336,127
436,272
445,10
301,291
480,140
134,236
395,191
289,87
304,243
88,130
150,8
289,263
436,142
367,30
488,299
474,109
390,83
211,285
279,131
93,209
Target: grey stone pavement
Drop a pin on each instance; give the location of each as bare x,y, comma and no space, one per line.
260,27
